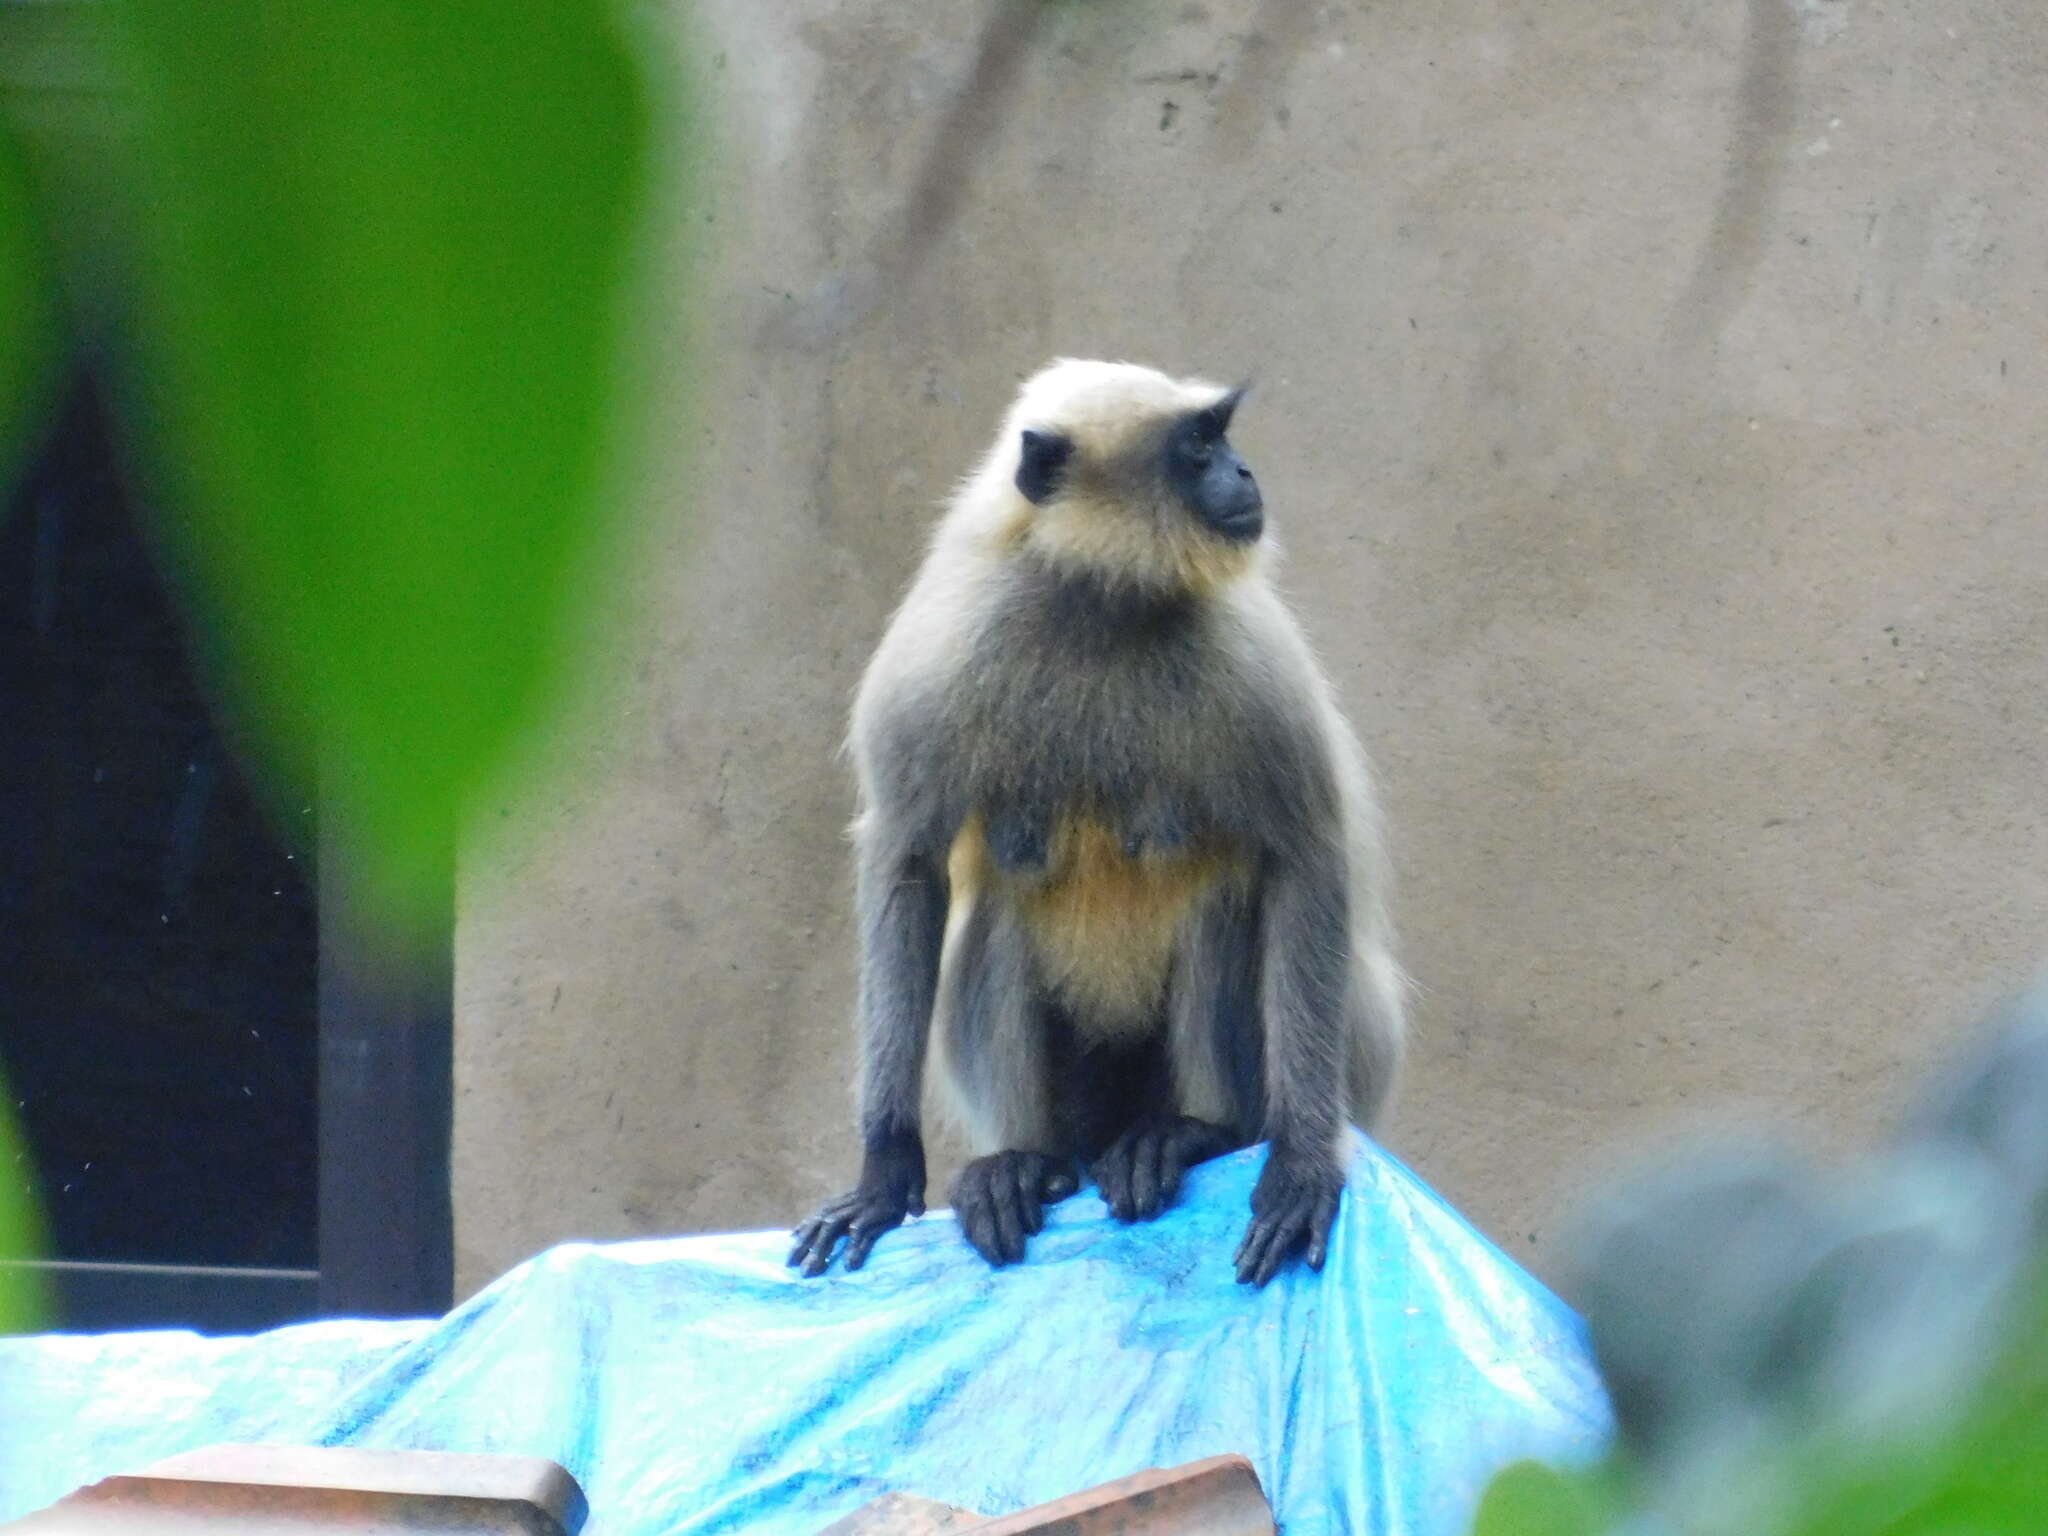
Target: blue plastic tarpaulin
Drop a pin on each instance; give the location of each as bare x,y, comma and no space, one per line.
697,1385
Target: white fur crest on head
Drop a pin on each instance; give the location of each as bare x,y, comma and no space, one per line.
1087,398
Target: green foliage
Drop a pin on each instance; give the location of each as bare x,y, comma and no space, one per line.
21,1291
383,254
1987,1475
1984,1471
27,331
375,264
1531,1499
27,307
1791,1356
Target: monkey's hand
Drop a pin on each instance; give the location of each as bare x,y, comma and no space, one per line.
891,1188
1294,1204
1140,1174
1001,1200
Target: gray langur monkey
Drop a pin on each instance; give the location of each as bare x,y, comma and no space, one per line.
1116,849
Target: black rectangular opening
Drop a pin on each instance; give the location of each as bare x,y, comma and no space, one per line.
164,998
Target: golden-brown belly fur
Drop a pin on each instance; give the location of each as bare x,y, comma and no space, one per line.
1102,922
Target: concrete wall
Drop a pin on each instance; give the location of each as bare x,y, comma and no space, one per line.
1651,397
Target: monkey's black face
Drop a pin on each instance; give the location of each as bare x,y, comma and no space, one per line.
1209,477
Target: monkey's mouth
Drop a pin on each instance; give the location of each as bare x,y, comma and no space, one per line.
1240,525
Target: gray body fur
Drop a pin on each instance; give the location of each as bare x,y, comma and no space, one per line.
1048,710
1003,684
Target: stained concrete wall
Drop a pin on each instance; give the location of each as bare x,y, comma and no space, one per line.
1651,398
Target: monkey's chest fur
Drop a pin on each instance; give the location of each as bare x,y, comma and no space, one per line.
1110,768
1102,908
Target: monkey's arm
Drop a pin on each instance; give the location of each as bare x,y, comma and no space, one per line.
901,896
1305,974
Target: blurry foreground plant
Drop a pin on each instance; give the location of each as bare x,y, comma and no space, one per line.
1788,1357
384,254
364,271
22,1293
370,289
27,326
27,308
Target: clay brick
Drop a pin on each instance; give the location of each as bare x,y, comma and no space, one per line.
256,1490
1217,1497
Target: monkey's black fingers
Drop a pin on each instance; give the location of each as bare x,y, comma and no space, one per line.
1189,1143
821,1230
975,1204
806,1232
820,1259
976,1213
1272,1238
1147,1198
1142,1172
1009,1209
979,1224
814,1246
1042,1181
1128,1174
802,1246
859,1217
1293,1206
1265,1245
1031,1200
1321,1221
1035,1177
981,1232
862,1241
1252,1251
1104,1171
1304,1221
1112,1173
1000,1200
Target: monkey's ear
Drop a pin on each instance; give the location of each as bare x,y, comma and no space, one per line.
1044,455
1215,421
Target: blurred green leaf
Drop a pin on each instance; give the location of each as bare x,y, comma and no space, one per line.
22,1298
28,329
28,333
1531,1499
1987,1476
384,254
1983,1470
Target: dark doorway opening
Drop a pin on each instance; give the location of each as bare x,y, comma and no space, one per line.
159,941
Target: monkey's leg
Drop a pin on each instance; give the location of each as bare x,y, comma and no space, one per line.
997,1067
1213,1056
902,901
1304,976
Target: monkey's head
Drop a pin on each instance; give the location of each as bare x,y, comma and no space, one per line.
1130,475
